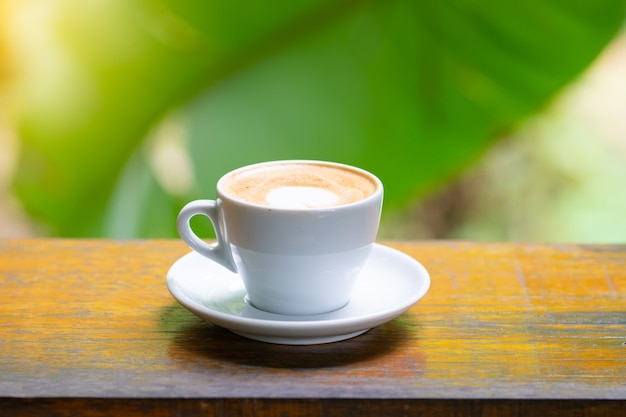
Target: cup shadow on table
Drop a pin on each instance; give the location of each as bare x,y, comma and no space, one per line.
194,341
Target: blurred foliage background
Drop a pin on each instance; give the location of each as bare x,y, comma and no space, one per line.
486,120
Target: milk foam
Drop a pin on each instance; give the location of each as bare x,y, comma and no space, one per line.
299,185
301,197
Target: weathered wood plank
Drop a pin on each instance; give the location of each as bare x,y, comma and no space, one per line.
93,319
306,407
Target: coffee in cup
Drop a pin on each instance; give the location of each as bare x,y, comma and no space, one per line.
294,185
297,232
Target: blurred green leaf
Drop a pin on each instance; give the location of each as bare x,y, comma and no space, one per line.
413,91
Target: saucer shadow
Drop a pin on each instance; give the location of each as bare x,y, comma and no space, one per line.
195,341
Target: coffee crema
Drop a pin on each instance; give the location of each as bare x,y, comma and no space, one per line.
299,185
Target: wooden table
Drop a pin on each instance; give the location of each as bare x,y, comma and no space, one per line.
88,327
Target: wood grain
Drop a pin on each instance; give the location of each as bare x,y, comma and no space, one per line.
505,328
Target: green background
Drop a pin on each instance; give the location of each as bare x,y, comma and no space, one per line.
147,103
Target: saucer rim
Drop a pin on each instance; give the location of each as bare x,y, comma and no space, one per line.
298,329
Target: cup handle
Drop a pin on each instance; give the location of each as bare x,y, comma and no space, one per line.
219,252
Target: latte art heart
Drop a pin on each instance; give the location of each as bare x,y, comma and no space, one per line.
301,197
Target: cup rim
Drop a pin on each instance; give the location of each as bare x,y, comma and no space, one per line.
378,192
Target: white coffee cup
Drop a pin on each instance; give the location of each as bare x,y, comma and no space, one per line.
299,246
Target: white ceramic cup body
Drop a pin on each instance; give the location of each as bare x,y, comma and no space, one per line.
291,261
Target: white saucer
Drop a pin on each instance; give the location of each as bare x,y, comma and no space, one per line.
390,283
